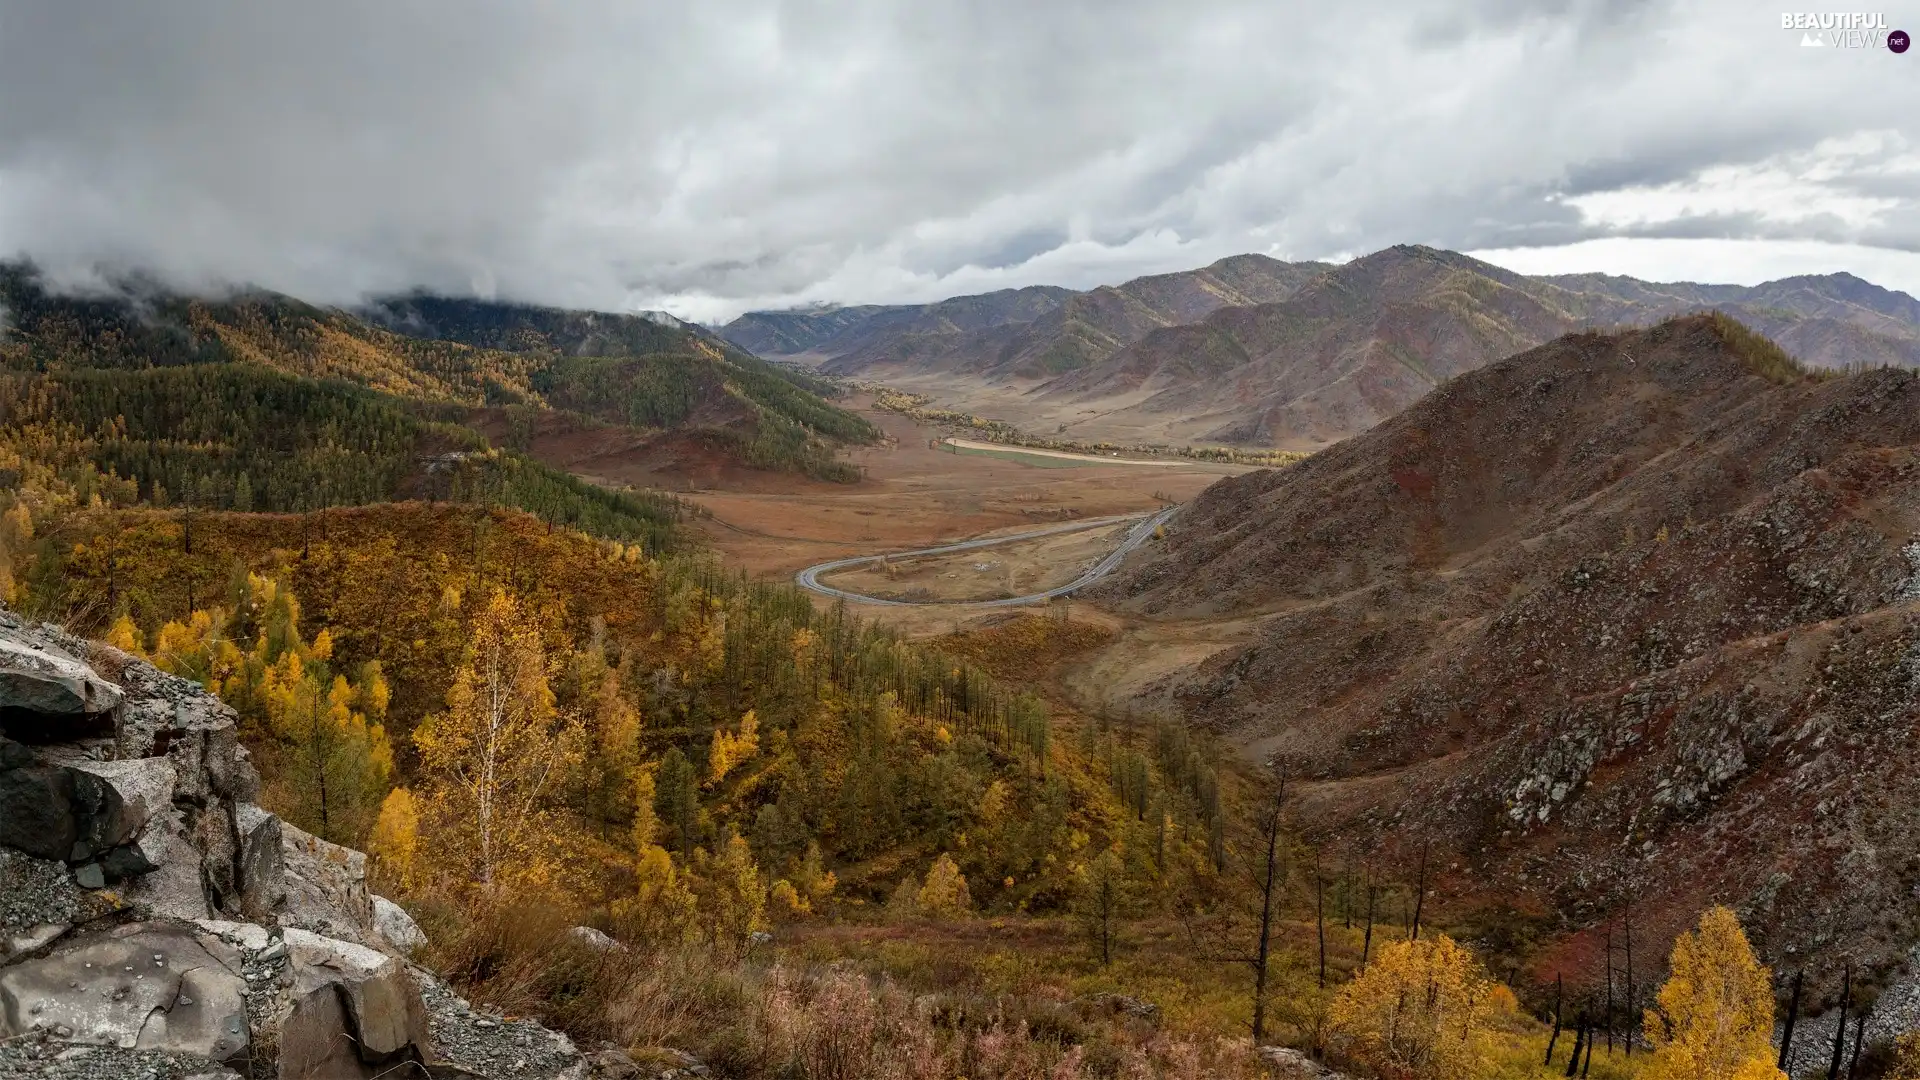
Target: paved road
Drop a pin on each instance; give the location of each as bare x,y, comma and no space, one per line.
810,577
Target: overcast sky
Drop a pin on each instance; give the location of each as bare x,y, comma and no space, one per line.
712,156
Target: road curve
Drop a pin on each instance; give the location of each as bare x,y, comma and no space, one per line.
810,577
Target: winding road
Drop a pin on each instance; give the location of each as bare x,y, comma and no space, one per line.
810,577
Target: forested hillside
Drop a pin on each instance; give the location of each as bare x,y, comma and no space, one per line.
234,436
626,370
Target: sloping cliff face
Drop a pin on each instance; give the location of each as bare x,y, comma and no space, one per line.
155,921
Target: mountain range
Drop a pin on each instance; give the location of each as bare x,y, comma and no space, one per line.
1253,351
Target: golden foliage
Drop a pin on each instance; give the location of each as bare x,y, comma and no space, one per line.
945,894
395,841
496,752
323,746
1419,1009
732,895
730,750
124,635
1714,1020
1906,1057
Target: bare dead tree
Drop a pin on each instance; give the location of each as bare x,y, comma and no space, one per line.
1366,943
1320,919
1579,1041
1587,1064
1633,1009
1269,879
1608,1021
1555,1037
1859,1036
1420,894
1793,1015
1346,892
1264,947
1840,1032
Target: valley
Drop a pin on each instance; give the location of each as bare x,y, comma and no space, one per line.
913,494
1598,631
771,541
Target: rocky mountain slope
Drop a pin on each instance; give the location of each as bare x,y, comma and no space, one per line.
1022,334
155,922
1251,351
1625,624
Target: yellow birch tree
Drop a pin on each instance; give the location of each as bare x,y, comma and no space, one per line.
1714,1019
1419,1009
498,748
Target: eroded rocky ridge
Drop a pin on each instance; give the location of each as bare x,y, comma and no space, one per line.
1620,625
155,921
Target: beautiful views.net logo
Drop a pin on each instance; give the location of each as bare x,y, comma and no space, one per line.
1845,30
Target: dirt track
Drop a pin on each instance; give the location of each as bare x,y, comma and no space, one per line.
1142,529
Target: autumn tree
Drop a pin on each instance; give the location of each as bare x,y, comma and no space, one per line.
395,840
944,895
1421,1009
335,761
732,748
1906,1057
325,752
497,751
1104,896
731,892
1714,1018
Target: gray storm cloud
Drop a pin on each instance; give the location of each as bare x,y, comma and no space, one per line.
714,156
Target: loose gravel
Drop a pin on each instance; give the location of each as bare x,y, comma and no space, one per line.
490,1044
30,1056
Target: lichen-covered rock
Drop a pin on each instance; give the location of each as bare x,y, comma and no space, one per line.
326,887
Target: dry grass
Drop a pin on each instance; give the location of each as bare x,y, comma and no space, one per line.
805,1015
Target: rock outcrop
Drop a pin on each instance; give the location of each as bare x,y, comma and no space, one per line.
155,921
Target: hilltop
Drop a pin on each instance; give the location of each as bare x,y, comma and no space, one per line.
1621,624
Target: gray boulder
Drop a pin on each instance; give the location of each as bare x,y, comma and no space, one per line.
261,865
596,940
46,693
230,937
335,989
36,811
397,927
